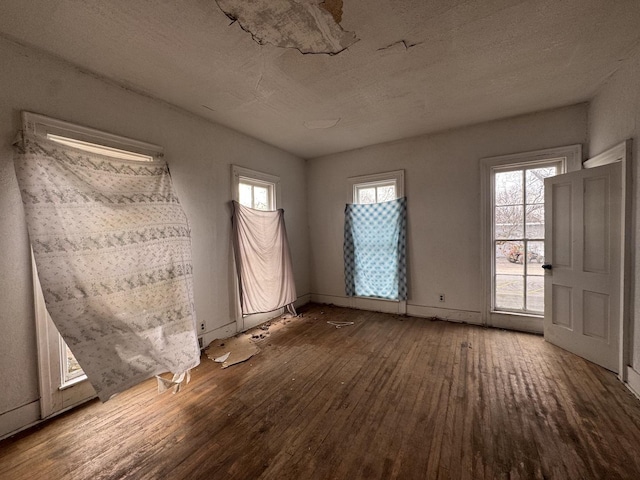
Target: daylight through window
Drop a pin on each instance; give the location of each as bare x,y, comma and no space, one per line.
518,232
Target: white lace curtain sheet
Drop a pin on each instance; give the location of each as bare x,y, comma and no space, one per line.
263,260
113,252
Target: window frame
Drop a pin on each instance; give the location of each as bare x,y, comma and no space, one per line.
570,159
255,178
56,394
375,180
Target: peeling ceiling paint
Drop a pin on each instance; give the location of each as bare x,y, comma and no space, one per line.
310,26
334,7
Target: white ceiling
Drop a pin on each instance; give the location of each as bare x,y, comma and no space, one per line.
470,61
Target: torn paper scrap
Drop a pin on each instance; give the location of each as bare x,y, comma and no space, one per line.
239,349
174,383
223,358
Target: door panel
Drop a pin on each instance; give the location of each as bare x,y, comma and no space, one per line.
582,290
561,209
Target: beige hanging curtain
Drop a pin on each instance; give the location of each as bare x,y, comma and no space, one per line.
113,252
263,260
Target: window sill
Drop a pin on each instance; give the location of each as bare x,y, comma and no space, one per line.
518,314
72,382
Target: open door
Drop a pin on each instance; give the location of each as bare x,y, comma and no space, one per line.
583,229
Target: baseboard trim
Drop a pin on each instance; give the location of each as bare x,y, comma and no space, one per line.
19,419
360,303
225,331
231,328
449,314
391,306
331,299
633,381
302,300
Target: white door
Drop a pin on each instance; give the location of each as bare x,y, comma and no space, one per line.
582,260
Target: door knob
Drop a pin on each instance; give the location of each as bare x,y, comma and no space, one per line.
547,266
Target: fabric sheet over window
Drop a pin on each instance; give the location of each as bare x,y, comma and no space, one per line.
263,260
375,249
112,248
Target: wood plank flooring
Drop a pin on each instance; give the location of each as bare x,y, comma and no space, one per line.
388,397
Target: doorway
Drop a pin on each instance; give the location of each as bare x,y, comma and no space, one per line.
513,234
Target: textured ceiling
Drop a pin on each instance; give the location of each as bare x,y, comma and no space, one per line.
417,66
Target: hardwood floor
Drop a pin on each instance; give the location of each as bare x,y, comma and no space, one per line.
388,397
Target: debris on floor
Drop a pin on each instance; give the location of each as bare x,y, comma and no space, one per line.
232,351
340,324
223,358
242,347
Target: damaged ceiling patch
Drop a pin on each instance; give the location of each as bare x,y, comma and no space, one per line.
334,7
320,124
310,26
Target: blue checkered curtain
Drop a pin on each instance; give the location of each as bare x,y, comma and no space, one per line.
375,249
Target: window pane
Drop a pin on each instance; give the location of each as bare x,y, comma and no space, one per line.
260,198
510,258
508,188
535,221
71,366
535,258
510,292
245,195
518,215
535,183
508,222
386,193
535,294
367,195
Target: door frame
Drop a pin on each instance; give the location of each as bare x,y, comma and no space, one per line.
622,153
571,156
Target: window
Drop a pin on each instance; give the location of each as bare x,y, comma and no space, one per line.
255,189
377,188
518,227
255,194
372,189
71,372
260,191
62,381
513,233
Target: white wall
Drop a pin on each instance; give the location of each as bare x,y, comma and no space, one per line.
442,185
614,116
199,154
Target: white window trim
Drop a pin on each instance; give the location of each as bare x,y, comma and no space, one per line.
42,126
55,395
255,177
571,160
373,180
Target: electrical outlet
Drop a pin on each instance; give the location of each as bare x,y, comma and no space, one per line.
202,327
441,297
